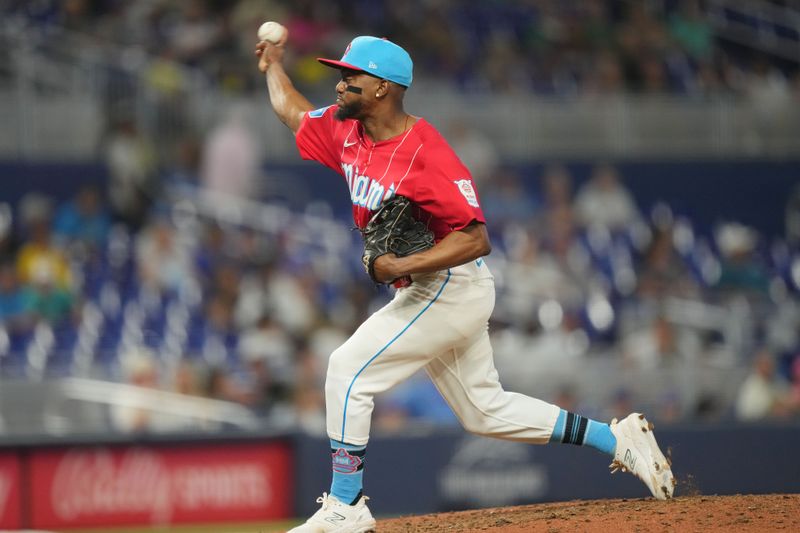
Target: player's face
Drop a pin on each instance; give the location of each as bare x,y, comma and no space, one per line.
350,94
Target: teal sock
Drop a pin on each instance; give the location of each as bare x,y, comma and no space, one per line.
348,471
558,430
576,429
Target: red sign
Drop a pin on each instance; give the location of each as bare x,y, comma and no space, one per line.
107,486
10,512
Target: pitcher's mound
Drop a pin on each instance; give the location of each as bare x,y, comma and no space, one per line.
690,513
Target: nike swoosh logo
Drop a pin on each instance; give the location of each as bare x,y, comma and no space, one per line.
479,262
348,144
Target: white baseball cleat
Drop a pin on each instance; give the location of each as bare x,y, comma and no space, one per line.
638,453
337,517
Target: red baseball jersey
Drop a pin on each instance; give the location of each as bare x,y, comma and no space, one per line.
418,164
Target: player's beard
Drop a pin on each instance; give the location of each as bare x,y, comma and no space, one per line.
351,110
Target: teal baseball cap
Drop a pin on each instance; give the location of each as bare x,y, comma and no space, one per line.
378,57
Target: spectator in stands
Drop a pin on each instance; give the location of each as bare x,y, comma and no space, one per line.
533,344
641,40
194,31
596,31
268,352
558,226
12,305
187,378
741,267
708,407
232,157
254,297
767,89
42,268
764,393
476,150
225,283
289,291
690,28
593,46
654,78
537,275
652,347
167,87
557,218
220,335
8,240
663,272
605,76
214,249
39,255
769,94
507,201
44,298
184,171
604,201
255,249
220,384
556,186
162,260
128,413
132,163
83,220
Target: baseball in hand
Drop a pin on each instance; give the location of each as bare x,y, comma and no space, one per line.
272,32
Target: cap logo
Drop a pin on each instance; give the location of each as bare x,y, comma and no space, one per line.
372,65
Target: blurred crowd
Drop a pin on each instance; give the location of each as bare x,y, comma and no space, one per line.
602,305
542,46
152,293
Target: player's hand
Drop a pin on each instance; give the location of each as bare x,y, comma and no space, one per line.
387,268
267,54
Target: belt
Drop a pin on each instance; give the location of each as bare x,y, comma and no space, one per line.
399,283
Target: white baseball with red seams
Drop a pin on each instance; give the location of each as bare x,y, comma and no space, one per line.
273,32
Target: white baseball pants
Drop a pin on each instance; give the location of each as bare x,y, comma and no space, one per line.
440,322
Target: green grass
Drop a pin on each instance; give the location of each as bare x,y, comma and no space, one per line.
271,527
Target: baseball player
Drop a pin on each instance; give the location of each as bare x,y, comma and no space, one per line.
439,320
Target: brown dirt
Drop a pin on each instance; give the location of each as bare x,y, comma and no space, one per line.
746,513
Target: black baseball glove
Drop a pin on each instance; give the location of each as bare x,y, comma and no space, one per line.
393,229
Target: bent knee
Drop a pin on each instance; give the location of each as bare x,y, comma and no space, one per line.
340,365
341,371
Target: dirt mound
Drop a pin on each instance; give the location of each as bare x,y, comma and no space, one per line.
690,513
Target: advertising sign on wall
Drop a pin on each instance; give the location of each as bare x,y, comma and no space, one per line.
9,491
107,486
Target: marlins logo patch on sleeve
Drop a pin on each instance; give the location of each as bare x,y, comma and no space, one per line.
317,112
466,189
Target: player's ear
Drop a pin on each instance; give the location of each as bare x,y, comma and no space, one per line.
382,89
